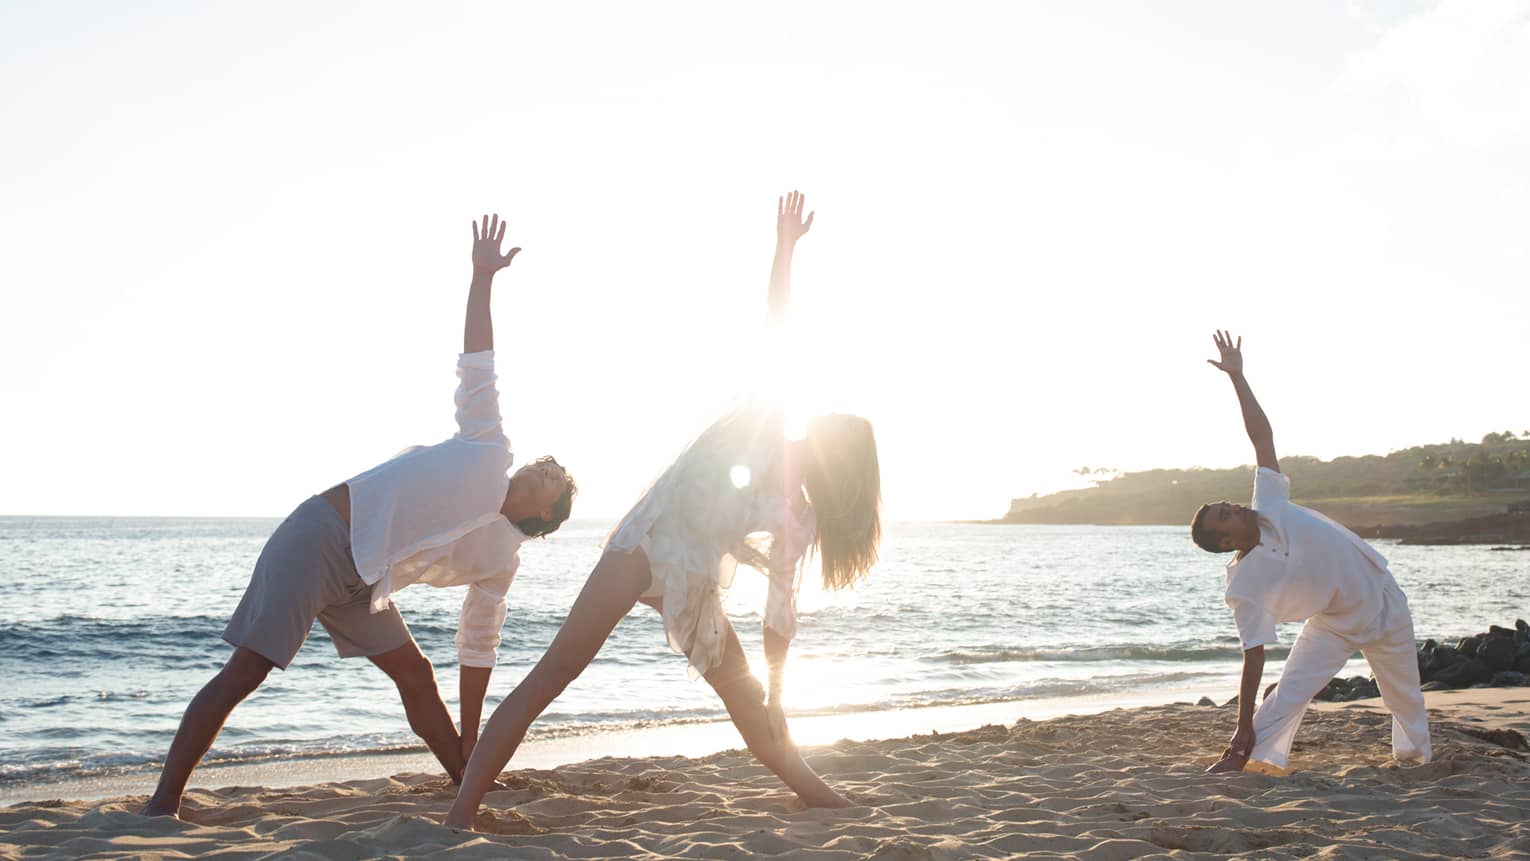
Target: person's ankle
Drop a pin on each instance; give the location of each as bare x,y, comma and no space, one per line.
157,806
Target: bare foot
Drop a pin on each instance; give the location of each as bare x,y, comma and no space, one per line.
832,800
456,824
159,808
1229,762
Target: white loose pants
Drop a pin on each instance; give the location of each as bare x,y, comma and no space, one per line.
1319,654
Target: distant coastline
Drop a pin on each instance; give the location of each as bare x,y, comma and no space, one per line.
1449,493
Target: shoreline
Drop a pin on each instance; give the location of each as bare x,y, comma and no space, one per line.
1117,784
688,740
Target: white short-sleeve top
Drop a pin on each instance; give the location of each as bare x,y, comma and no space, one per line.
1306,566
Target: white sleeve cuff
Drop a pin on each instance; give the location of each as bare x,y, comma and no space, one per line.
482,360
475,658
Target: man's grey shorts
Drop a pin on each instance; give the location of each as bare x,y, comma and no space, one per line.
306,572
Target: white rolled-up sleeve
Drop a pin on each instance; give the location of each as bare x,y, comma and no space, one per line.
477,398
787,549
483,616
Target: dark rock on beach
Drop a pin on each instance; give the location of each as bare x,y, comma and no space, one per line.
1497,657
1346,690
1498,652
1352,688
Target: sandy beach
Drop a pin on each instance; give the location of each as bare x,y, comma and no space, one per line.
1125,783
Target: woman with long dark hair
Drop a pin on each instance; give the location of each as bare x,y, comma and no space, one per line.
677,549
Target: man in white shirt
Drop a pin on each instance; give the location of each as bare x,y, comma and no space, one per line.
444,515
1293,564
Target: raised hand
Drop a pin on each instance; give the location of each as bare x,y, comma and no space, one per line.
790,225
486,241
1232,354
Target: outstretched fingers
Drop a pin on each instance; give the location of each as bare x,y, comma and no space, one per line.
488,236
790,225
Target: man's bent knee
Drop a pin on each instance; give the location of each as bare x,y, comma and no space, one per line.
243,673
416,675
408,667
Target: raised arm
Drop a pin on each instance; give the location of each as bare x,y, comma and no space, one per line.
1254,421
478,331
790,227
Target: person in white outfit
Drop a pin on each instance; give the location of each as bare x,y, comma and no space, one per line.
1293,564
443,515
677,550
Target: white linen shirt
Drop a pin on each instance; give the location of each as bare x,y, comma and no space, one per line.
1305,567
432,515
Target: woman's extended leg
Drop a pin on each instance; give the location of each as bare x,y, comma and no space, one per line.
613,588
744,696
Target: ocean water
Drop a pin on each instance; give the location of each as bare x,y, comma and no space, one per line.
108,626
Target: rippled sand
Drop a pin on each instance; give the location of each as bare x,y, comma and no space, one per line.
1121,784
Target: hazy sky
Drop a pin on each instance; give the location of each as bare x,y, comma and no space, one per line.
235,236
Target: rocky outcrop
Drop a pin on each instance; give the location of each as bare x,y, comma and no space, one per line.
1497,657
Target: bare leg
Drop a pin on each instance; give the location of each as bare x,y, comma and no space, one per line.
744,697
411,671
204,718
611,591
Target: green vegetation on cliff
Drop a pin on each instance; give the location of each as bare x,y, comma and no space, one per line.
1423,484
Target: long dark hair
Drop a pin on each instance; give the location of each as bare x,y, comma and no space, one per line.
844,484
